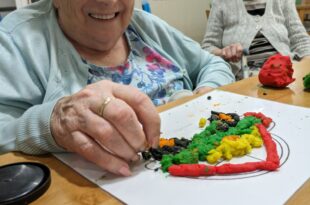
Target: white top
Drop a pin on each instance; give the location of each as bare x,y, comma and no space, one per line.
229,22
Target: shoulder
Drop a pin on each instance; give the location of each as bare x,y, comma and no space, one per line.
228,7
147,21
222,3
283,3
153,29
283,7
29,29
28,35
28,18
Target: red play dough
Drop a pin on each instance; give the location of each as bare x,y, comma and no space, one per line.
277,72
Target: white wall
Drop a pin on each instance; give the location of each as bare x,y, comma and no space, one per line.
186,15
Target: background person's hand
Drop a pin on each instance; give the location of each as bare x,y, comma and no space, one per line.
112,135
232,52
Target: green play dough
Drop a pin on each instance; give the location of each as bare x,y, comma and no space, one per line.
205,141
307,81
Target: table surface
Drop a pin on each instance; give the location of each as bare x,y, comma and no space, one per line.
303,11
68,187
303,6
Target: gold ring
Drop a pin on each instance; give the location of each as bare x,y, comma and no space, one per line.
104,105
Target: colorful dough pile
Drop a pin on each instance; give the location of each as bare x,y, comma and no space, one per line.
226,137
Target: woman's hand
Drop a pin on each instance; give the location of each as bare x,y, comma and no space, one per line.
231,53
203,90
106,123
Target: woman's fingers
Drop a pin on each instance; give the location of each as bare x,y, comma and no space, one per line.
233,52
89,149
131,112
234,57
144,109
108,137
223,54
123,118
239,49
203,90
228,51
106,123
237,52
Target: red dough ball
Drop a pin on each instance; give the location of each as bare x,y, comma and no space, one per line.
277,72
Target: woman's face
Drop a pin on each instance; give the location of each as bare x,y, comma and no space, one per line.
95,24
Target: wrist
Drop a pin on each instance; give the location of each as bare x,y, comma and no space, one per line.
217,52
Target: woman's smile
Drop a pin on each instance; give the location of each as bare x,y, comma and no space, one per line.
103,16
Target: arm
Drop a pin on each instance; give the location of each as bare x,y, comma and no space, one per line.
213,72
212,41
24,119
108,124
299,39
203,68
109,134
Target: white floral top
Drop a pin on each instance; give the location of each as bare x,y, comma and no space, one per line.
145,69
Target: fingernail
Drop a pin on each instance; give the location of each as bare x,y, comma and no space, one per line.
136,158
146,146
155,142
125,171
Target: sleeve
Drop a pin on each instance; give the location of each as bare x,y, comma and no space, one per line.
215,27
203,68
299,39
214,72
24,118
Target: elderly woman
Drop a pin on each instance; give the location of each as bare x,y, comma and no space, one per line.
265,27
83,76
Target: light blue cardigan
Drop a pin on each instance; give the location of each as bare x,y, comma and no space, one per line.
38,66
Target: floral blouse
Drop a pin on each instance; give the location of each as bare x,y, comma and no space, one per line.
145,69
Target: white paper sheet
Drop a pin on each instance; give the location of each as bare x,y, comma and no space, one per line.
291,134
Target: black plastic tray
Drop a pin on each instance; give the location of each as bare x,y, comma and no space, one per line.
22,183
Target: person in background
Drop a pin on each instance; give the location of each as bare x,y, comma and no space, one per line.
264,27
84,76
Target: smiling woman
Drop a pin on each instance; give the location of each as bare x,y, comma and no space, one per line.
96,27
83,76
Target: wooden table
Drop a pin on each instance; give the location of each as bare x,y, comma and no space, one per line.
68,187
303,10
